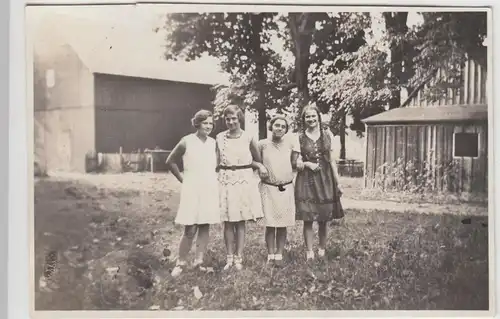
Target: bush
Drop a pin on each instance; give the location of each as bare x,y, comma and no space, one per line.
417,178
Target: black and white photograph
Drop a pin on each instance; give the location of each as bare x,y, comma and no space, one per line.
187,158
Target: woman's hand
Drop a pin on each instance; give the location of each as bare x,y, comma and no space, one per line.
263,173
312,166
339,192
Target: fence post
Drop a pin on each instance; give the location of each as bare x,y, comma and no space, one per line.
152,162
121,158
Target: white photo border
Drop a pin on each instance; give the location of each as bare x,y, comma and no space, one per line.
21,178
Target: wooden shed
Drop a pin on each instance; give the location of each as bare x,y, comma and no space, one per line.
442,146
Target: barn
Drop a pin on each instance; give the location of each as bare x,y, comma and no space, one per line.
96,90
442,146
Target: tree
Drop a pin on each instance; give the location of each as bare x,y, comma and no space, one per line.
343,32
443,41
396,28
301,29
239,40
316,40
362,89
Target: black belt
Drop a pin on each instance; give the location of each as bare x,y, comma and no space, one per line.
234,167
281,187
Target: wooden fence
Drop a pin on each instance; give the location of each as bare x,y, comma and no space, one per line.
148,160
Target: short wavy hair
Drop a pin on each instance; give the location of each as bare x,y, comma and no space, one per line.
278,117
199,117
234,109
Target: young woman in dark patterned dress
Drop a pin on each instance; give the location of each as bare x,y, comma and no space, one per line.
317,193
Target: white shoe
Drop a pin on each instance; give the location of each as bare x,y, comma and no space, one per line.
238,262
270,258
176,271
229,262
310,255
198,264
321,252
278,260
178,268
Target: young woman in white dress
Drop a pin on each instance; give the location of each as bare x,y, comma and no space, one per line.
238,156
199,203
279,155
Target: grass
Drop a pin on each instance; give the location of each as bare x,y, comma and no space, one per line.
115,243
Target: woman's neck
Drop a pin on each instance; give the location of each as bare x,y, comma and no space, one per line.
235,132
202,137
276,139
312,129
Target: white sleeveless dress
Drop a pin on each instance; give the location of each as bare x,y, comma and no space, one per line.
239,189
278,206
199,203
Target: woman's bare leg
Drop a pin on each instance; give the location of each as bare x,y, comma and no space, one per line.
308,238
202,242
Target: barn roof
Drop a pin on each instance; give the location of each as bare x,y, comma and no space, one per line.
456,113
127,49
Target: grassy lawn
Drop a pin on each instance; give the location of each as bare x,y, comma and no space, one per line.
115,243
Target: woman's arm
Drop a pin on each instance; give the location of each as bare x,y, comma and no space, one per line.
175,155
257,159
334,166
294,158
333,162
217,154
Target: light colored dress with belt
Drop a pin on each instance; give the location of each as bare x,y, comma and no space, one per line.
238,188
199,202
278,203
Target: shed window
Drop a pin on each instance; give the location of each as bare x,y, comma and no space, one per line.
466,145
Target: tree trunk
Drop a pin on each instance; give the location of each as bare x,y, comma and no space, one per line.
301,29
257,21
342,136
395,23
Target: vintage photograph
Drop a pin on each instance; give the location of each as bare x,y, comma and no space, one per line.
237,157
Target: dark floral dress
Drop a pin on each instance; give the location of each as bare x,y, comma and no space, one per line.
316,192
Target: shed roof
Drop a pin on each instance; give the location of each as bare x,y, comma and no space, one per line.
127,49
455,113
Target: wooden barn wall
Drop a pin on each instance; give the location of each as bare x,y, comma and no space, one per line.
471,91
137,113
432,144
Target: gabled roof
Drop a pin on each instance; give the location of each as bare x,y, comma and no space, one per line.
125,50
430,114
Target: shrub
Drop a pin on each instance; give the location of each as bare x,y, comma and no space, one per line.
418,177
